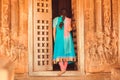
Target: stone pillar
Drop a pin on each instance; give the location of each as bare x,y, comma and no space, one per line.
4,26
5,13
0,8
19,13
80,34
98,15
14,19
5,19
0,12
119,31
89,18
23,35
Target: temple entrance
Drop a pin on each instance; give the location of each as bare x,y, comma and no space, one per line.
41,14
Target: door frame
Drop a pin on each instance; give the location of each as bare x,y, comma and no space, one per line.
80,42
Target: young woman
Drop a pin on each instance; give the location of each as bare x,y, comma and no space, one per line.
63,44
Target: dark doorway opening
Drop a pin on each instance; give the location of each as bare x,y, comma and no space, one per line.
57,5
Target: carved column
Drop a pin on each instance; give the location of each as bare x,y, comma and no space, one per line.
98,15
119,31
20,27
89,33
23,31
89,15
115,30
23,13
14,19
107,16
110,34
5,26
0,12
80,34
14,27
5,13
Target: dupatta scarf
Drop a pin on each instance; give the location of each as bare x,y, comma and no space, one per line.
67,36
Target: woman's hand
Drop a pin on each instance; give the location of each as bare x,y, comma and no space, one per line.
69,28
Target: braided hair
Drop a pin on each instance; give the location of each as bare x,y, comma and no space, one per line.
63,13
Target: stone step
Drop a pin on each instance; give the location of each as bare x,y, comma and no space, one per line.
98,76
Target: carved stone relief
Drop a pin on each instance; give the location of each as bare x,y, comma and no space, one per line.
10,42
101,46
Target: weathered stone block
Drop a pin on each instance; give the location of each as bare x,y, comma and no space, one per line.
115,74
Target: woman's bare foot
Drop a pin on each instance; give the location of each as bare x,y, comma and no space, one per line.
61,72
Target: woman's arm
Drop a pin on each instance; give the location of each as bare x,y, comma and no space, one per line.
55,20
70,26
54,33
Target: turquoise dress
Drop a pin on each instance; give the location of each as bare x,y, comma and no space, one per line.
63,47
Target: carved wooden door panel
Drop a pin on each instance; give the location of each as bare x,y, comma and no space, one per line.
41,32
42,35
101,35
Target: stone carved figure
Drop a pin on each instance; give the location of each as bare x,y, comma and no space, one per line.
114,44
100,50
10,47
5,41
91,46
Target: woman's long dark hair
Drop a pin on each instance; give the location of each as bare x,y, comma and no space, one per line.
63,13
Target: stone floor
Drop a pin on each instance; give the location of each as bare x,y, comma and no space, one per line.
95,76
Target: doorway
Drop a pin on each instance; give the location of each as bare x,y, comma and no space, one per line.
57,5
40,40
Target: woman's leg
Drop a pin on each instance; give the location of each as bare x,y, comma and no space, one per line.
62,68
65,65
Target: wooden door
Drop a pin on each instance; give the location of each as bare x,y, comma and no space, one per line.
40,25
